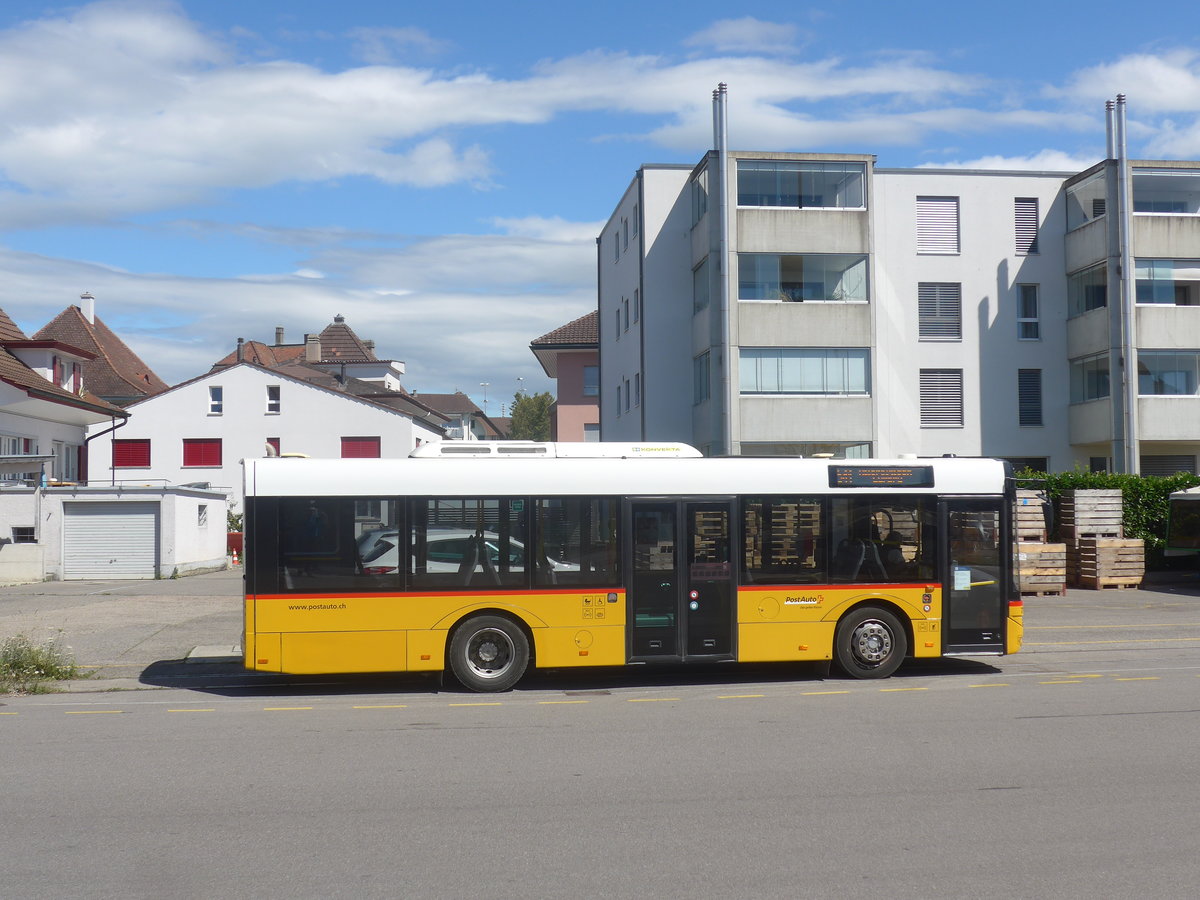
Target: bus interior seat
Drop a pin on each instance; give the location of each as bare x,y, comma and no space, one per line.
470,559
847,560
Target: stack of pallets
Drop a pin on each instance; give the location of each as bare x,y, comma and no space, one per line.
1041,567
1098,554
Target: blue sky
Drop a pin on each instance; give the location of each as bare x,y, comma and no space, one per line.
437,172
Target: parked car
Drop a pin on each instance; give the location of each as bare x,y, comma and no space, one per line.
444,551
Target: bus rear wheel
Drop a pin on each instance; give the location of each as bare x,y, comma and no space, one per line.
488,653
870,643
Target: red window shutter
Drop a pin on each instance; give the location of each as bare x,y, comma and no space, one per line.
274,444
129,454
360,448
202,451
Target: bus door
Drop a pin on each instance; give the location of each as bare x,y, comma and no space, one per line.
681,580
975,594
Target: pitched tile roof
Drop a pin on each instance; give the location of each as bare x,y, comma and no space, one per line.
338,341
116,372
584,332
9,330
264,354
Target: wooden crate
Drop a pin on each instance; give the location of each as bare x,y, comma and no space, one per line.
1085,513
1029,515
1098,562
1042,568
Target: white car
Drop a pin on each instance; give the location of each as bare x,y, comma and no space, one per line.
444,551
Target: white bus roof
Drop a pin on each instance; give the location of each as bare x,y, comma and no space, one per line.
549,449
607,476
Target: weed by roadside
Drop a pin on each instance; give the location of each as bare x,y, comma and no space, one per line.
28,668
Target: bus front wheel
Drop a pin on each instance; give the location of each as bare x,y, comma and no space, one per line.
488,653
870,643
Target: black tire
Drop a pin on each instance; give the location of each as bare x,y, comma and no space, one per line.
870,643
488,653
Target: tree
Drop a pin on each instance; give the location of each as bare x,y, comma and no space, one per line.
531,417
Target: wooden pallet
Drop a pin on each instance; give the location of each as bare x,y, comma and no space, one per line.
1110,584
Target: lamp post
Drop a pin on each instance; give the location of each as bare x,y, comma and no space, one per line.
485,385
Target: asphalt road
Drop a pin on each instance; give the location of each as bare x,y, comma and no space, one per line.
1064,771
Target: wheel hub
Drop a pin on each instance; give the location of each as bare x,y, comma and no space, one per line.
872,642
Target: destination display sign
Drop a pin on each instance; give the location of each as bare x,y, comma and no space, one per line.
880,476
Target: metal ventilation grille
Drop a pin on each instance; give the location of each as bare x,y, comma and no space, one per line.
1025,212
941,398
937,225
939,311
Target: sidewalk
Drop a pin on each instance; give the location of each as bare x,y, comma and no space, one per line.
117,630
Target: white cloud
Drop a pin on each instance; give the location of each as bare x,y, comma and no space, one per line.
1152,83
745,35
382,46
1042,161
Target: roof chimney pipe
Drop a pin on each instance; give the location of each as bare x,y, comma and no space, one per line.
241,350
88,305
312,349
278,335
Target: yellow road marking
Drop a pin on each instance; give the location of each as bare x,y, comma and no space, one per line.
559,702
385,706
1084,643
740,696
1060,682
822,693
1141,678
94,712
653,699
497,703
7,713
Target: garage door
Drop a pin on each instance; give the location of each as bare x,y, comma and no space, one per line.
110,540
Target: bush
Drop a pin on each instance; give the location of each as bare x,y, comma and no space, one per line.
26,667
1144,500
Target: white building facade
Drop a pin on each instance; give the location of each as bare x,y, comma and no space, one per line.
814,303
199,431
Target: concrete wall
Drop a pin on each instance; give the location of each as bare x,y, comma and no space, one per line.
573,409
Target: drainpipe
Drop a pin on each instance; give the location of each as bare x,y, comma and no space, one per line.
1129,375
721,123
87,453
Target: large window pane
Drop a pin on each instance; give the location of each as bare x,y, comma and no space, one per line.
338,545
1168,281
1167,372
1087,290
801,185
818,370
577,541
477,541
792,278
784,540
1089,378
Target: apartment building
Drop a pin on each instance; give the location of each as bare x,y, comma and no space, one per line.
798,303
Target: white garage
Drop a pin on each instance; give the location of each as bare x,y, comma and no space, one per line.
110,540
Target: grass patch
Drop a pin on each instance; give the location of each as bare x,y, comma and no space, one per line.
29,668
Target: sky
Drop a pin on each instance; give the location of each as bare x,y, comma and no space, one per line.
438,173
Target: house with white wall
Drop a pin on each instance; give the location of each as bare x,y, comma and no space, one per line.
197,432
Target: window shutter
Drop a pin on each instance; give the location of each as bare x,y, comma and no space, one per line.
128,453
939,311
1166,466
937,225
1029,396
202,451
1026,221
360,448
941,398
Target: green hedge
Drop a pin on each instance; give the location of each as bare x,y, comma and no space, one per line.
1144,499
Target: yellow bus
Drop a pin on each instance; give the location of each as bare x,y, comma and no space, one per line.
486,558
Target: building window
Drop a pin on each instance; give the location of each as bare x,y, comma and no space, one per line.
700,378
1175,191
66,461
635,220
1029,396
628,395
273,400
625,234
937,225
1085,201
1025,216
618,400
796,278
618,323
700,291
24,534
801,185
637,389
360,448
202,515
591,381
1164,466
625,312
839,449
941,398
1168,281
1029,326
1168,372
216,400
637,304
591,433
699,196
1087,290
939,311
1089,378
205,452
272,446
131,453
809,370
